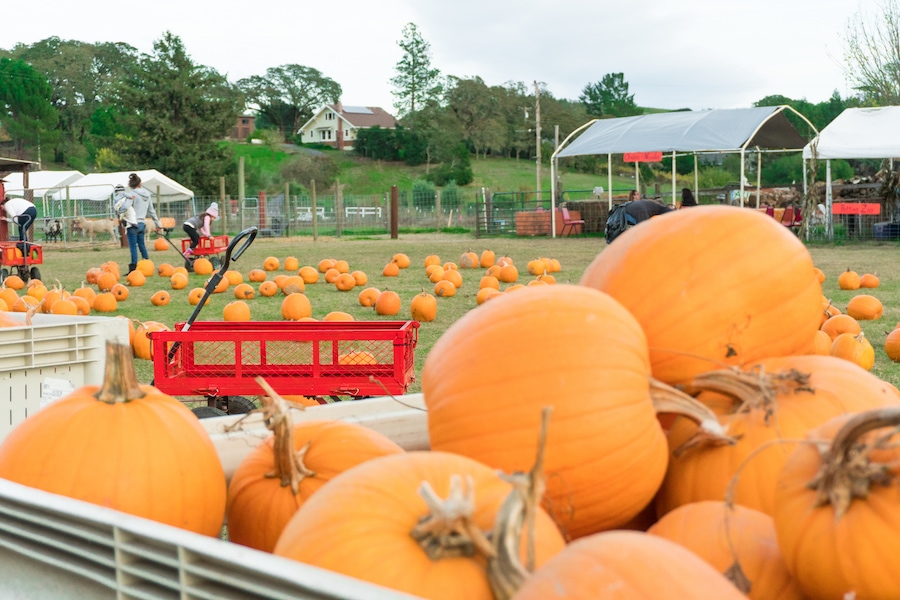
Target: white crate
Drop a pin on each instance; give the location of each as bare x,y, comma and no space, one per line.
56,354
55,547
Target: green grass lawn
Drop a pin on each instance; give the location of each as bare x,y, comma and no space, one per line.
370,254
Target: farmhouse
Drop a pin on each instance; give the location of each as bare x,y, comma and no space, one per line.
337,125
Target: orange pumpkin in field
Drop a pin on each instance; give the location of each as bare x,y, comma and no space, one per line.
145,266
160,244
268,289
391,270
81,304
401,260
338,315
141,343
178,281
423,307
120,292
387,303
160,298
345,282
105,302
195,295
295,307
368,296
203,266
309,274
325,264
271,263
165,270
256,275
105,281
244,291
136,278
291,263
237,310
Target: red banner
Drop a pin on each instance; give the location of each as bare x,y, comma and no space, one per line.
856,208
642,156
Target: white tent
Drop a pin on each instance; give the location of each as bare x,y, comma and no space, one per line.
41,183
855,133
99,186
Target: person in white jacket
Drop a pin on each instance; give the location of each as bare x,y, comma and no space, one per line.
138,198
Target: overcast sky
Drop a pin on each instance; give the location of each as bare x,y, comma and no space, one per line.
697,54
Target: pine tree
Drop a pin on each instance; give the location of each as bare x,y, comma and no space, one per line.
416,82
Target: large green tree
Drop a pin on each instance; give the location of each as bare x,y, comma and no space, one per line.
872,54
479,111
288,95
416,82
609,97
26,112
177,112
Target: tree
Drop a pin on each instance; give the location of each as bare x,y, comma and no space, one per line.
478,109
872,55
26,112
609,97
288,95
177,113
416,81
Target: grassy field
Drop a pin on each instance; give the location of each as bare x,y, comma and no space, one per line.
68,268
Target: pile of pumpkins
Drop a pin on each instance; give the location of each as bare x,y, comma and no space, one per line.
665,428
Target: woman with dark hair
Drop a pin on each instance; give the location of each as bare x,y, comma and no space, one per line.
687,198
138,198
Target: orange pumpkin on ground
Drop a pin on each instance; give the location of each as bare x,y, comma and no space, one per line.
196,295
295,307
271,263
145,266
869,280
178,281
854,347
160,245
244,291
203,266
864,307
105,302
848,280
120,292
268,289
160,298
368,296
401,260
309,275
423,307
141,343
387,303
338,315
444,289
391,270
256,275
236,310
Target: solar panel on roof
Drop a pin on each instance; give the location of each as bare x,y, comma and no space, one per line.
362,110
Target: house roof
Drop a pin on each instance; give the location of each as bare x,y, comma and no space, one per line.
362,117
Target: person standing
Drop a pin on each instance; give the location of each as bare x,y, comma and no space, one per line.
21,212
138,198
687,198
198,226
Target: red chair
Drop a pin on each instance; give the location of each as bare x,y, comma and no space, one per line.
570,224
791,218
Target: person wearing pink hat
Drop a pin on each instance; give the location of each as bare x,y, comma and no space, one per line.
198,226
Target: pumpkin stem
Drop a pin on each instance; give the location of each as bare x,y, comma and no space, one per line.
754,388
120,382
667,399
505,570
846,472
448,530
289,466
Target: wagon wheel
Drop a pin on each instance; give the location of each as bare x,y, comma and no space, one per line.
189,265
23,272
4,273
35,273
235,405
205,412
216,263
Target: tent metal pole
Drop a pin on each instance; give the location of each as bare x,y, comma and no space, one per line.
696,180
743,176
673,178
609,178
758,175
828,200
553,167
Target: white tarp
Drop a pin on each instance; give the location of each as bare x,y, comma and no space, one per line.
859,133
40,182
99,186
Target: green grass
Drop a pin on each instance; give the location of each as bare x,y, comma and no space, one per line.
370,253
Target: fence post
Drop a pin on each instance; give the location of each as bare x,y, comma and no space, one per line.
395,212
338,209
223,210
315,213
287,209
437,209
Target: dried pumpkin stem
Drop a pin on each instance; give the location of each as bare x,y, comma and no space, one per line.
120,382
753,388
449,531
846,472
290,468
667,399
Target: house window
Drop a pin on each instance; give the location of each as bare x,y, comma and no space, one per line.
329,116
346,133
326,135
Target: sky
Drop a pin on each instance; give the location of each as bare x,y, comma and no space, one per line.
698,54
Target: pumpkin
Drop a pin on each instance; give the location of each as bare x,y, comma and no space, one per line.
368,296
196,295
735,540
770,404
165,270
203,266
345,282
104,445
487,259
535,282
892,345
244,291
83,306
450,265
331,275
342,266
112,266
626,564
387,303
493,271
10,296
236,310
221,285
391,270
295,306
536,267
234,277
256,275
141,343
105,302
484,294
865,308
822,344
178,281
279,280
105,281
37,290
271,263
423,307
160,244
182,270
145,266
848,280
357,357
360,278
489,281
868,280
381,497
47,299
291,284
508,273
454,277
160,298
841,323
291,264
720,303
855,348
401,260
836,505
469,260
136,278
268,289
444,289
14,282
820,275
91,276
309,275
120,292
436,274
325,264
284,471
547,278
64,306
514,287
432,259
338,315
604,430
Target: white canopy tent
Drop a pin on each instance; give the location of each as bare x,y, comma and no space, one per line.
41,183
99,186
855,133
763,129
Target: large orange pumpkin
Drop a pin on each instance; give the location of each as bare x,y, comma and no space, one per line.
105,446
387,303
864,307
606,453
423,307
368,296
105,302
295,307
716,299
848,280
381,497
236,310
140,343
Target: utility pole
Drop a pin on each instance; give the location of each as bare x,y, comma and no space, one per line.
537,122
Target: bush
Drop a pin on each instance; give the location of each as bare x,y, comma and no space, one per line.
424,194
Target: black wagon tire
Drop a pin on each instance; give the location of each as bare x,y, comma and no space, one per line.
238,405
206,412
35,273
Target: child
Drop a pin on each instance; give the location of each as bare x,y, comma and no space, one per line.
198,226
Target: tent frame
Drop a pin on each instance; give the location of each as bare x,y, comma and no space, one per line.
743,149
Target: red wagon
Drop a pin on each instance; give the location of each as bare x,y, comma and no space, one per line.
209,247
220,360
21,257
